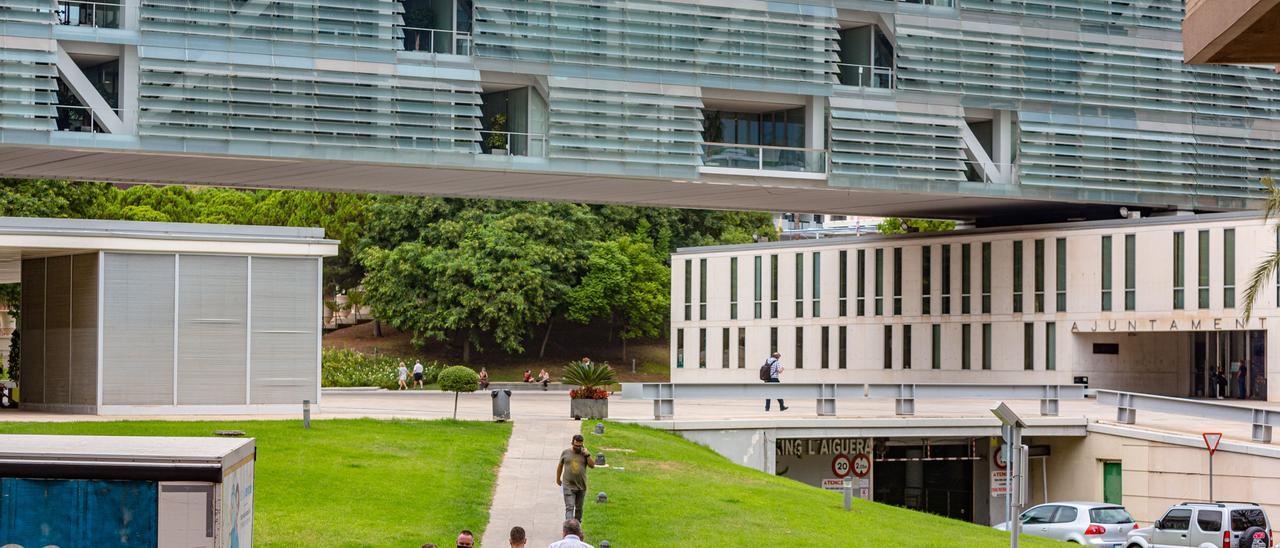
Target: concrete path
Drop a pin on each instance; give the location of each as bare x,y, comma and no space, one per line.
526,493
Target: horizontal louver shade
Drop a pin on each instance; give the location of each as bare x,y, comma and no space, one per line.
789,47
27,86
625,127
208,101
1106,16
340,23
884,143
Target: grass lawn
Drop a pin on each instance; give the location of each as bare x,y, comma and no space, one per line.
665,490
357,482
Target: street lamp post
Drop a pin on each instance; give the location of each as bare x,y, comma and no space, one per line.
1016,462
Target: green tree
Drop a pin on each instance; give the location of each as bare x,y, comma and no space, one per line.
1267,267
458,379
626,284
897,225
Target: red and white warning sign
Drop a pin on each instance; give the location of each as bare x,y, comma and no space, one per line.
1211,440
861,465
840,465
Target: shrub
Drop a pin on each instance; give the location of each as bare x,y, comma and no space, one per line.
458,379
340,368
591,378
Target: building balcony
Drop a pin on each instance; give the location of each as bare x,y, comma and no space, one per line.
512,143
78,13
865,76
733,157
437,41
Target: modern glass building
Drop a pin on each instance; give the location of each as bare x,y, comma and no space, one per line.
954,108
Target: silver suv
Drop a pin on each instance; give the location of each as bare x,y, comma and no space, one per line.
1207,525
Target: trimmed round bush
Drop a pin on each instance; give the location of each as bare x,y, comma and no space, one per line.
456,379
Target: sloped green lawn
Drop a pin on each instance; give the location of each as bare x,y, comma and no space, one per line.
666,491
350,482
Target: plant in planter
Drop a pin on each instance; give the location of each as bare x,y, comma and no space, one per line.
457,379
591,399
497,140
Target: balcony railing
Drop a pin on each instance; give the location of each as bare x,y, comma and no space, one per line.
78,13
513,143
974,173
79,118
437,41
764,158
866,76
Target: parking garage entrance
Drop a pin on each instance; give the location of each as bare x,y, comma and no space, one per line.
928,475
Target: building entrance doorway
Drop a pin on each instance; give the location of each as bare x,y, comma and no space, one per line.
1229,364
932,476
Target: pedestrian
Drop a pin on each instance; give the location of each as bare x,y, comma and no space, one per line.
1242,382
484,378
586,360
417,373
572,531
1259,387
571,476
465,539
402,372
528,375
544,378
774,363
518,538
1219,383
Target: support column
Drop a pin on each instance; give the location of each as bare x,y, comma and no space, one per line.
815,122
129,89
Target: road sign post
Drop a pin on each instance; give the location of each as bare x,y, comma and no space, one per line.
1211,440
1016,461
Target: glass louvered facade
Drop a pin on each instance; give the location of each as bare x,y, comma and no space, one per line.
1083,101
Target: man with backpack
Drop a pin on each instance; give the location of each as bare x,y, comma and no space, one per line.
769,372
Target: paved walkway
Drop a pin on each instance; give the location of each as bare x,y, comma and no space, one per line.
526,493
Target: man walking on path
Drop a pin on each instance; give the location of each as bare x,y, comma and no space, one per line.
775,370
417,374
571,476
572,532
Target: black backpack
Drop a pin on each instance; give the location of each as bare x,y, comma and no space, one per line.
766,370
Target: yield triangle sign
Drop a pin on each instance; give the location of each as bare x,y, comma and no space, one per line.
1211,440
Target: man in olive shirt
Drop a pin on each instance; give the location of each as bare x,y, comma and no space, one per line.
571,476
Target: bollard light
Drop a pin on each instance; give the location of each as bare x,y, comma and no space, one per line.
599,459
604,544
602,498
306,413
599,427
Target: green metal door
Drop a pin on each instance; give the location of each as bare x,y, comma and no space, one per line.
1111,487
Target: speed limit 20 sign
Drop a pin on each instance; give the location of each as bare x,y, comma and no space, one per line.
841,465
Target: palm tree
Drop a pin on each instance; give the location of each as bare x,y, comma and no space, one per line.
1268,266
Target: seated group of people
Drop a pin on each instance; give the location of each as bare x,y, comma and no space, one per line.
543,377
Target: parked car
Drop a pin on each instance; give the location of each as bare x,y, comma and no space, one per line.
1207,525
1093,523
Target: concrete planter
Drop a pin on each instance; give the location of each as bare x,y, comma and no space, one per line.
589,409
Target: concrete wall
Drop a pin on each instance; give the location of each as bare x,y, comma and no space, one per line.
60,358
1153,363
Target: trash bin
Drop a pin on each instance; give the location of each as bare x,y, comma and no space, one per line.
501,405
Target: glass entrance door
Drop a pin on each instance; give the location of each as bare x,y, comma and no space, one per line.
1229,365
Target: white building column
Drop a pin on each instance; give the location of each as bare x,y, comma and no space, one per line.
815,122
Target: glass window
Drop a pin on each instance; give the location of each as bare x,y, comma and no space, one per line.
897,281
773,286
946,278
742,348
965,274
1039,515
1179,270
1017,277
816,290
1113,515
773,340
1178,519
826,347
906,347
937,346
679,348
1050,346
1065,514
880,282
1039,276
799,348
733,288
1244,519
702,289
1106,273
1028,346
1209,521
1203,262
986,346
926,256
1130,272
1060,281
842,345
862,282
888,347
799,285
688,289
759,285
1229,268
724,343
966,346
844,282
986,277
702,348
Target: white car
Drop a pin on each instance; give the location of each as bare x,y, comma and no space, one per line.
1207,525
1092,523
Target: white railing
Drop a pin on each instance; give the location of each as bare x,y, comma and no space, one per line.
866,76
1262,420
764,158
87,14
513,143
437,41
80,118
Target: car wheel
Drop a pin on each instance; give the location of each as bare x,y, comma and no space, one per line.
1254,537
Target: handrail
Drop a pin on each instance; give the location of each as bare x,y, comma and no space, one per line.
764,157
424,39
97,14
866,76
517,143
77,113
1128,403
904,394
